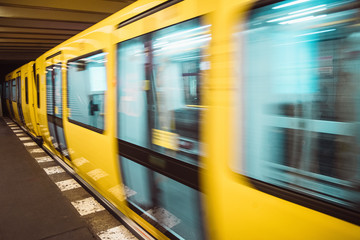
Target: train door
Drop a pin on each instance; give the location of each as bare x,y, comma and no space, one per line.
54,103
19,103
12,91
7,96
158,126
27,103
34,97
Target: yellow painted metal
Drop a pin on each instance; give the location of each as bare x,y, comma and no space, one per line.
41,115
33,99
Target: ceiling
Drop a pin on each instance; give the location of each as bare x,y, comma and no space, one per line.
29,28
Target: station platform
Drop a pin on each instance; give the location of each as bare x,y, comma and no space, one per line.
40,201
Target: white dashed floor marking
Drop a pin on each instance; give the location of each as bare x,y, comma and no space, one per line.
36,150
116,233
117,192
24,138
43,159
80,161
29,144
87,206
129,192
96,174
53,170
67,185
164,217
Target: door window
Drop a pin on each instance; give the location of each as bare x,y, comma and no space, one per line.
13,90
159,92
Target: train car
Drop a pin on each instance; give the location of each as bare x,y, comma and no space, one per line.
29,100
20,92
283,86
210,119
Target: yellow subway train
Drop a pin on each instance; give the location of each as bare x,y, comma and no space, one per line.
205,119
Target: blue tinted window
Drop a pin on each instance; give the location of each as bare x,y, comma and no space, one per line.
132,99
58,87
302,109
86,87
13,90
49,91
7,90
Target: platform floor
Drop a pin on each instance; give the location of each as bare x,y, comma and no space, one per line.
39,200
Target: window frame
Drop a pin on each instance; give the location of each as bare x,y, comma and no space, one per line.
300,198
26,90
86,126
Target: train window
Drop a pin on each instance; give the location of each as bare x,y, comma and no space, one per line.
49,92
86,90
132,112
58,89
302,106
159,90
38,90
7,90
13,90
26,90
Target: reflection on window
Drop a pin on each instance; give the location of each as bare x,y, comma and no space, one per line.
58,89
302,107
133,120
87,86
171,206
18,89
13,90
159,90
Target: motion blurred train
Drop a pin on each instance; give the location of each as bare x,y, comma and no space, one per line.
198,119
